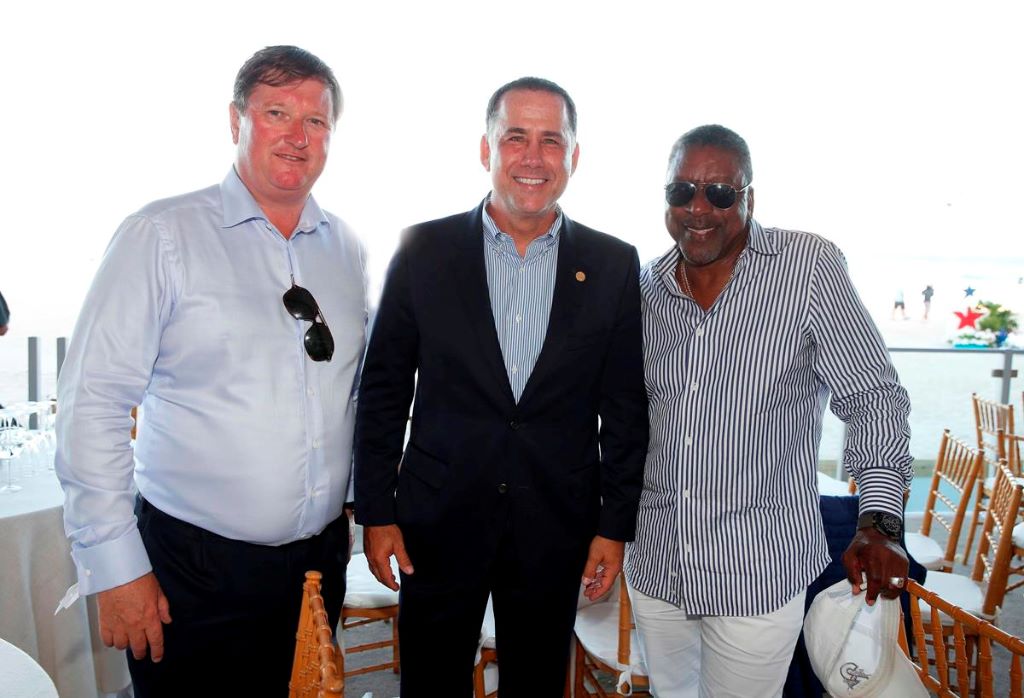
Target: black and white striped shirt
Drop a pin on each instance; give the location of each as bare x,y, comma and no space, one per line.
729,521
521,290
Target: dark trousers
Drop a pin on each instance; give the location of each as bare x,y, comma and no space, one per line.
234,607
535,588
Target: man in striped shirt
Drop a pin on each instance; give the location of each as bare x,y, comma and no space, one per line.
747,332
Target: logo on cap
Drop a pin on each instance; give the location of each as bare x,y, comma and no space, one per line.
852,674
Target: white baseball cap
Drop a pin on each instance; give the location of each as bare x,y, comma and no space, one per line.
854,648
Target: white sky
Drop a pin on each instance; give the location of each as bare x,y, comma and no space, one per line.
893,128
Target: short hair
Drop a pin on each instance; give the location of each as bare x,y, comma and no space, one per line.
717,137
535,85
283,65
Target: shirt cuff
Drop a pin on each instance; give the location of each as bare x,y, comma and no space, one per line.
111,564
881,489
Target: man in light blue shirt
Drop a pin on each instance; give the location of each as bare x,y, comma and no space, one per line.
235,316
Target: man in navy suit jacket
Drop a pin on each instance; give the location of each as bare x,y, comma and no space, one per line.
515,333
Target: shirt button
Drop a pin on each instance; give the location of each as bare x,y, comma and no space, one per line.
514,370
88,573
522,269
686,494
502,488
688,549
689,441
693,387
310,392
519,318
699,332
514,424
316,443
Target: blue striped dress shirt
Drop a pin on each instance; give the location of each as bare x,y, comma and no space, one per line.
521,289
729,521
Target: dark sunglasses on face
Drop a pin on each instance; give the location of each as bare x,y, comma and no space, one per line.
718,194
302,306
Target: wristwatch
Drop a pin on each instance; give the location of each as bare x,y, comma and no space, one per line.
889,525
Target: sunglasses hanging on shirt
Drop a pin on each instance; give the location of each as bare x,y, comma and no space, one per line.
301,305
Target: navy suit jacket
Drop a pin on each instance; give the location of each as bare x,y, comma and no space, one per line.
563,464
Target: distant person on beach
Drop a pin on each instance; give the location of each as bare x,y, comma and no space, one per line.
927,293
748,332
5,315
235,316
900,305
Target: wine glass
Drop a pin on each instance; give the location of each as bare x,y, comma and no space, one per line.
10,447
47,423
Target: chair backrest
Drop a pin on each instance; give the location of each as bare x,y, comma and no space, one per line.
626,624
317,668
995,549
954,679
957,468
595,635
368,601
1014,447
991,418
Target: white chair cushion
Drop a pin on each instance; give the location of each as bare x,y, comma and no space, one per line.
362,588
832,487
989,484
956,589
926,551
597,629
488,639
487,635
1018,535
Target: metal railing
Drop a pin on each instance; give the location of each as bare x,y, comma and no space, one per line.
940,381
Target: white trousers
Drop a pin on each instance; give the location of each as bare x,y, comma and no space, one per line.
716,656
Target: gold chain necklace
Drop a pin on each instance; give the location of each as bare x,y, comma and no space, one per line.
686,279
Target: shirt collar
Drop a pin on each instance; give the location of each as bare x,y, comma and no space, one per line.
762,241
239,206
492,233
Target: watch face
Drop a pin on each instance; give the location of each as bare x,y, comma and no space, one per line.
889,525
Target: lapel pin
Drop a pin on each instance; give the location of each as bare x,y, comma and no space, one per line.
580,276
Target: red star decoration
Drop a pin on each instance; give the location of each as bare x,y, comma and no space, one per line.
969,318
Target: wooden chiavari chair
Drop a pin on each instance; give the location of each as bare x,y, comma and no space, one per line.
605,639
318,667
369,601
982,593
993,422
952,646
956,473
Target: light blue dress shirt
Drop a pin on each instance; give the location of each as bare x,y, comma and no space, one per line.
521,290
242,433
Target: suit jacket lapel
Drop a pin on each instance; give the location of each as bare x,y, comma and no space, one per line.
471,274
570,282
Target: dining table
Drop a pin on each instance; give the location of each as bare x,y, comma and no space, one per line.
22,676
36,570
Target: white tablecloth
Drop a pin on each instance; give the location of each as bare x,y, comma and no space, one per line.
22,677
35,572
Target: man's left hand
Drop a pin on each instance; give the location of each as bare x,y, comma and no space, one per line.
881,559
604,562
